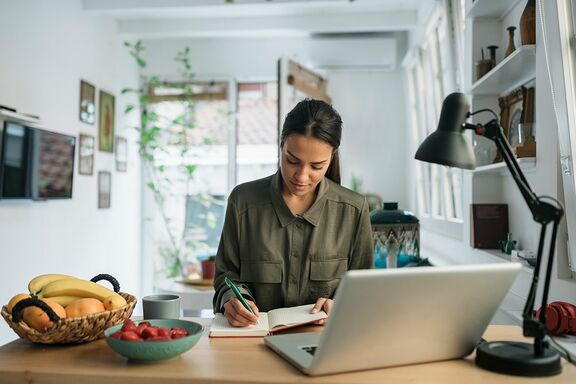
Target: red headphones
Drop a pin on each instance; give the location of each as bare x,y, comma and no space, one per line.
560,317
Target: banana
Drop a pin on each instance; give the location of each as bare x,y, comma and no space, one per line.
76,287
114,301
36,284
65,300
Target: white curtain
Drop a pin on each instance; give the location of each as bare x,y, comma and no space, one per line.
556,28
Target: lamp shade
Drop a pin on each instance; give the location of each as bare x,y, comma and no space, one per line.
448,145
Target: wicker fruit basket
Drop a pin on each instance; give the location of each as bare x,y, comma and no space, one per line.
75,329
70,330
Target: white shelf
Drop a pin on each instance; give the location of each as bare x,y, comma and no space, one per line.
527,164
499,256
515,70
490,8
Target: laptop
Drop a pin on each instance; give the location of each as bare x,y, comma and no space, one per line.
391,317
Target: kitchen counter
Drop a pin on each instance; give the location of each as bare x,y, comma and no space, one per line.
228,360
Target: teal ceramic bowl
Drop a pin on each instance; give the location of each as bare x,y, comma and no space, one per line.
156,350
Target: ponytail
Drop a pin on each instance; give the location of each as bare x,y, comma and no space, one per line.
333,172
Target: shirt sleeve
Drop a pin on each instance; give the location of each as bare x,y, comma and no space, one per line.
228,260
362,256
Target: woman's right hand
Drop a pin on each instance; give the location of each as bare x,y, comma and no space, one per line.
238,315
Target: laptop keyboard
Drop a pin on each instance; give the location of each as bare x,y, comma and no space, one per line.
311,349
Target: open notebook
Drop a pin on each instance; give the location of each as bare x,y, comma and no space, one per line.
268,322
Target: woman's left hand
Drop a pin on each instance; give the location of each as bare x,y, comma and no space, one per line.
322,304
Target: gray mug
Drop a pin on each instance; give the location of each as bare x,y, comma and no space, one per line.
161,307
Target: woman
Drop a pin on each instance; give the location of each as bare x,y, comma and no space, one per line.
288,238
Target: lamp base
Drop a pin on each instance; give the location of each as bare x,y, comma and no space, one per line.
518,359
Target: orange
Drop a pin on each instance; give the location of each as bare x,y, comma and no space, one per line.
83,307
16,299
36,318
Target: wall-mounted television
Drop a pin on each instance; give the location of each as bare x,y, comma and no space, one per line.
35,163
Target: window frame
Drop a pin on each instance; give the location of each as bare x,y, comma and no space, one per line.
434,71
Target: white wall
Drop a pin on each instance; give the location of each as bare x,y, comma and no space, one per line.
46,48
373,139
370,101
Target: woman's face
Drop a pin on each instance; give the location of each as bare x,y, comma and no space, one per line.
304,161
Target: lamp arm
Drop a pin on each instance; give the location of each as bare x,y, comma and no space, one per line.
543,213
493,131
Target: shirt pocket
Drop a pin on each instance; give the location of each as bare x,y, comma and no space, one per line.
262,272
327,270
325,276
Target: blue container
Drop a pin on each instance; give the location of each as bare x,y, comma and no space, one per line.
396,236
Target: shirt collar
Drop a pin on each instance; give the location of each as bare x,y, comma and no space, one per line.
284,214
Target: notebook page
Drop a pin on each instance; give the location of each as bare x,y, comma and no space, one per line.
294,315
221,327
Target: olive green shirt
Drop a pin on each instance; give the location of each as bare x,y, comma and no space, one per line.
279,259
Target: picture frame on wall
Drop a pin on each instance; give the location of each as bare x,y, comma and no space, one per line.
87,103
121,148
106,121
86,154
511,114
104,189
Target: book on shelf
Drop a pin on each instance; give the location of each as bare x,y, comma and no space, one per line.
488,225
268,322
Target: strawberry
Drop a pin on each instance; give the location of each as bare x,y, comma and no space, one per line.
116,335
129,325
164,332
130,336
149,332
144,324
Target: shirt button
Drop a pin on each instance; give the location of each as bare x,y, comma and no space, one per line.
299,225
295,254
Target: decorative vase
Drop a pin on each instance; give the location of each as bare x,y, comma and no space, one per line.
492,49
528,23
511,47
396,237
482,67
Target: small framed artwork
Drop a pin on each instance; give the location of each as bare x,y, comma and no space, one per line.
104,189
121,154
511,114
86,154
87,102
106,122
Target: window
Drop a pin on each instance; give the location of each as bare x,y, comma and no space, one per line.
257,122
430,77
189,169
222,138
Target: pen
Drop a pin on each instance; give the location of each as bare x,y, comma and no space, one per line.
237,293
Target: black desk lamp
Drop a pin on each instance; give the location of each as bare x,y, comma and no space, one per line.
448,146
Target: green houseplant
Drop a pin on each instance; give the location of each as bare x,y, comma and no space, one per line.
168,137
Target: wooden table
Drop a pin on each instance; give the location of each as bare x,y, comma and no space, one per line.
229,360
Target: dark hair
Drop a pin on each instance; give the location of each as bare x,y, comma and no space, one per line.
318,119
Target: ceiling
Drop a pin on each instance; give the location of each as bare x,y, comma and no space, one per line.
259,18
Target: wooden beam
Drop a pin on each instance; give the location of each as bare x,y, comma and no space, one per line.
208,91
307,81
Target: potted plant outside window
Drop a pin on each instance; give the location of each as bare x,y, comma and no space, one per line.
208,268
